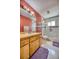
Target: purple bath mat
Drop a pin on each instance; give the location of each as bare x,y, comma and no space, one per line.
42,53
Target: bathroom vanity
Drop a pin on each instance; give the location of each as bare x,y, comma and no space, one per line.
29,43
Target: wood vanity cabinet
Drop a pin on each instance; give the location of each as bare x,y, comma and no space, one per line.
34,45
29,44
24,52
24,48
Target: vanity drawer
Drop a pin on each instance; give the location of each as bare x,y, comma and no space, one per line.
33,38
24,42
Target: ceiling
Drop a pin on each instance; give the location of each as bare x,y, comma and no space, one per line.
46,8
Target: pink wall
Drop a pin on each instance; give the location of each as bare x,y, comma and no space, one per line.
24,21
37,15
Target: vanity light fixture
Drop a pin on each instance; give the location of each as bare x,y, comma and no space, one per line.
32,12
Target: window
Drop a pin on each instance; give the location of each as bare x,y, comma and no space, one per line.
49,24
52,23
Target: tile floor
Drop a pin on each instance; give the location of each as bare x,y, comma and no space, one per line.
53,51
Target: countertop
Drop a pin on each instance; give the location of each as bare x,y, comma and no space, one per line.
26,35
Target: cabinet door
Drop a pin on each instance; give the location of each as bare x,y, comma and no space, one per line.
24,52
34,46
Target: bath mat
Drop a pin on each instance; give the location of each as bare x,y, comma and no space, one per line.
42,53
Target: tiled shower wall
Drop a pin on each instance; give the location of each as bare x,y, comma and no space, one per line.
54,33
